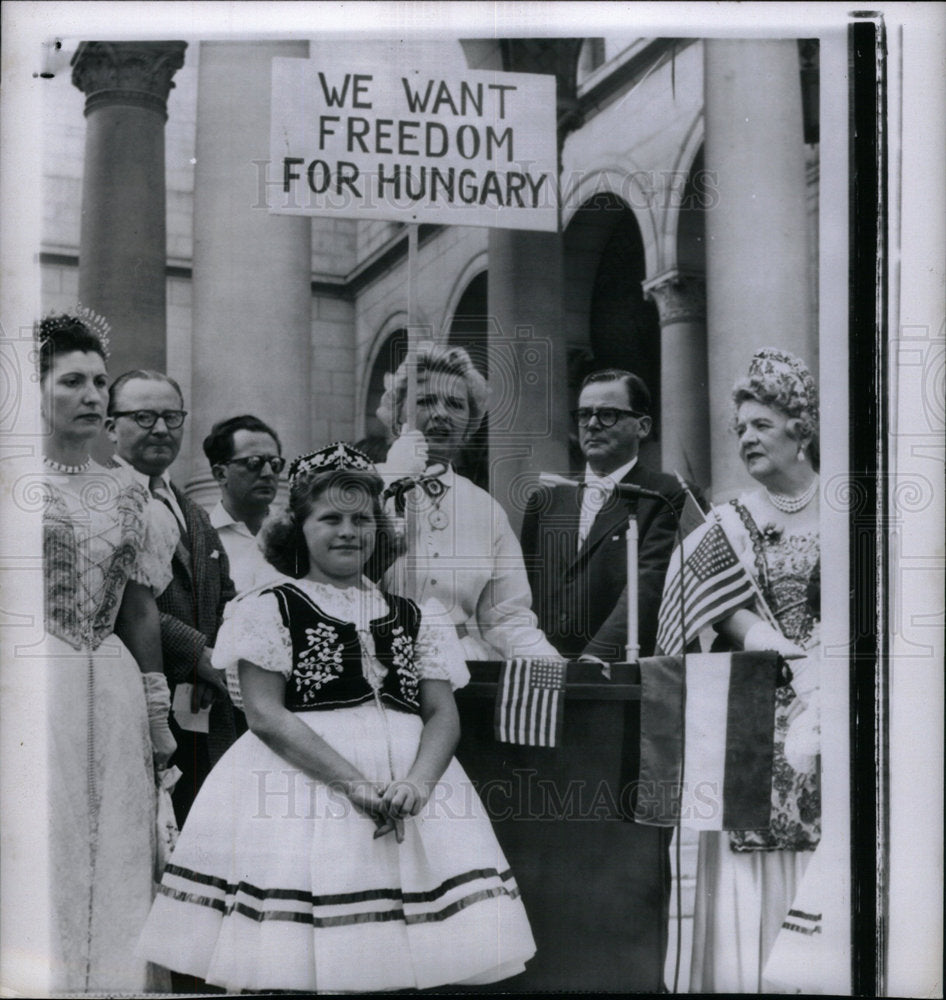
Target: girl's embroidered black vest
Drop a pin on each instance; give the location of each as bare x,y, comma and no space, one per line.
326,655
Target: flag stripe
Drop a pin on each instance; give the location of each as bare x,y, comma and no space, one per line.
714,583
722,739
661,727
528,708
750,742
707,708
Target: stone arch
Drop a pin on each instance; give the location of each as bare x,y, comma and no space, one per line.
469,328
626,186
475,266
609,322
387,351
688,199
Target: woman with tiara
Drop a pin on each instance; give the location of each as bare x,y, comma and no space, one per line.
105,554
747,879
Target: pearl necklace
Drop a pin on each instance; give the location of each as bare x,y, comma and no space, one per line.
792,505
69,470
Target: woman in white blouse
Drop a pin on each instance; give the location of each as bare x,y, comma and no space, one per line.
459,546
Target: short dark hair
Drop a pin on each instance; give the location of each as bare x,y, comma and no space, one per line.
281,538
218,444
148,375
63,335
638,394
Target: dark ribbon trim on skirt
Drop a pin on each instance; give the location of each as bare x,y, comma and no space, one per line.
339,899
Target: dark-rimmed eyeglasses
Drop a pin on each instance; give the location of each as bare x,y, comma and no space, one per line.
255,463
607,416
146,419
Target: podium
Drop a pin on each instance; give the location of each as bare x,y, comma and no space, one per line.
596,886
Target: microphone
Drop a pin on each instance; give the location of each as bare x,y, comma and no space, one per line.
629,491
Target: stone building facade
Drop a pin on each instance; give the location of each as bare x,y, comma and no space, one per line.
668,147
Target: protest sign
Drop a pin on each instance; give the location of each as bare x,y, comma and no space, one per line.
436,144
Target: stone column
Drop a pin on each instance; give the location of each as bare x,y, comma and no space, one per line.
528,348
252,270
122,245
757,243
684,398
528,430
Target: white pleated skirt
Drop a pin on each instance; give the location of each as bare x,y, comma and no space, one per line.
277,882
742,897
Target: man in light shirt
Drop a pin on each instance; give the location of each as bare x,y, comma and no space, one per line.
245,457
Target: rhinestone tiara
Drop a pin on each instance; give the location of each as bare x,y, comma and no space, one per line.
336,456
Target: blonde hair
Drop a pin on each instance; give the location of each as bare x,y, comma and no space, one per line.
435,358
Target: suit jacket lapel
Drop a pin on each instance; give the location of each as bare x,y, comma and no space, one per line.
185,546
612,516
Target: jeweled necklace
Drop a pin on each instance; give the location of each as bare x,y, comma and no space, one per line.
69,470
792,505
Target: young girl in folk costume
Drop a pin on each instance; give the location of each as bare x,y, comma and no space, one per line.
338,846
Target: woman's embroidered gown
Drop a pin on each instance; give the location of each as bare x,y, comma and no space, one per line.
98,533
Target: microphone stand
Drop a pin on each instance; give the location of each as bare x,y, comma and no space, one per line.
632,649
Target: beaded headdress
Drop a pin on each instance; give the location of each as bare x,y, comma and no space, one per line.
785,376
336,457
94,322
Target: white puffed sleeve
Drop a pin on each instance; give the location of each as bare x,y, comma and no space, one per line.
155,531
161,535
439,653
252,630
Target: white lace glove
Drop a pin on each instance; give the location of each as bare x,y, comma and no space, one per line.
407,456
803,739
158,702
761,636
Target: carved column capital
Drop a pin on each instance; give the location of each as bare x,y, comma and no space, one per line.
137,74
680,296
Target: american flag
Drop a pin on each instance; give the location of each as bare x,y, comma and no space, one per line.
529,702
713,581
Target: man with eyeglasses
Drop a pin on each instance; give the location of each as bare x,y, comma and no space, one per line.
574,541
245,456
145,421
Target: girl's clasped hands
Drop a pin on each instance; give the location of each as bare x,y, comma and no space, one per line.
389,806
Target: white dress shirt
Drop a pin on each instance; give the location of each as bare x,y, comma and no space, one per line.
596,492
473,566
248,567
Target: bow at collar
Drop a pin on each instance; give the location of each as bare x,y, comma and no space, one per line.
431,485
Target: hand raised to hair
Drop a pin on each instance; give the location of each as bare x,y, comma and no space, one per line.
407,456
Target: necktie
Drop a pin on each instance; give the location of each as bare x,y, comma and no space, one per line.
594,493
160,493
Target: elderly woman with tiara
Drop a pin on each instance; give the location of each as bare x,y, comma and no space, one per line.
459,547
106,552
747,879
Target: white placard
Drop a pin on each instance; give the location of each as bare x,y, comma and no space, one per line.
435,144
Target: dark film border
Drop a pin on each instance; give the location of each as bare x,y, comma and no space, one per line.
868,414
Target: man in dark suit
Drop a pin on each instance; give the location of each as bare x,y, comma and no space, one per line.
575,545
145,421
574,541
